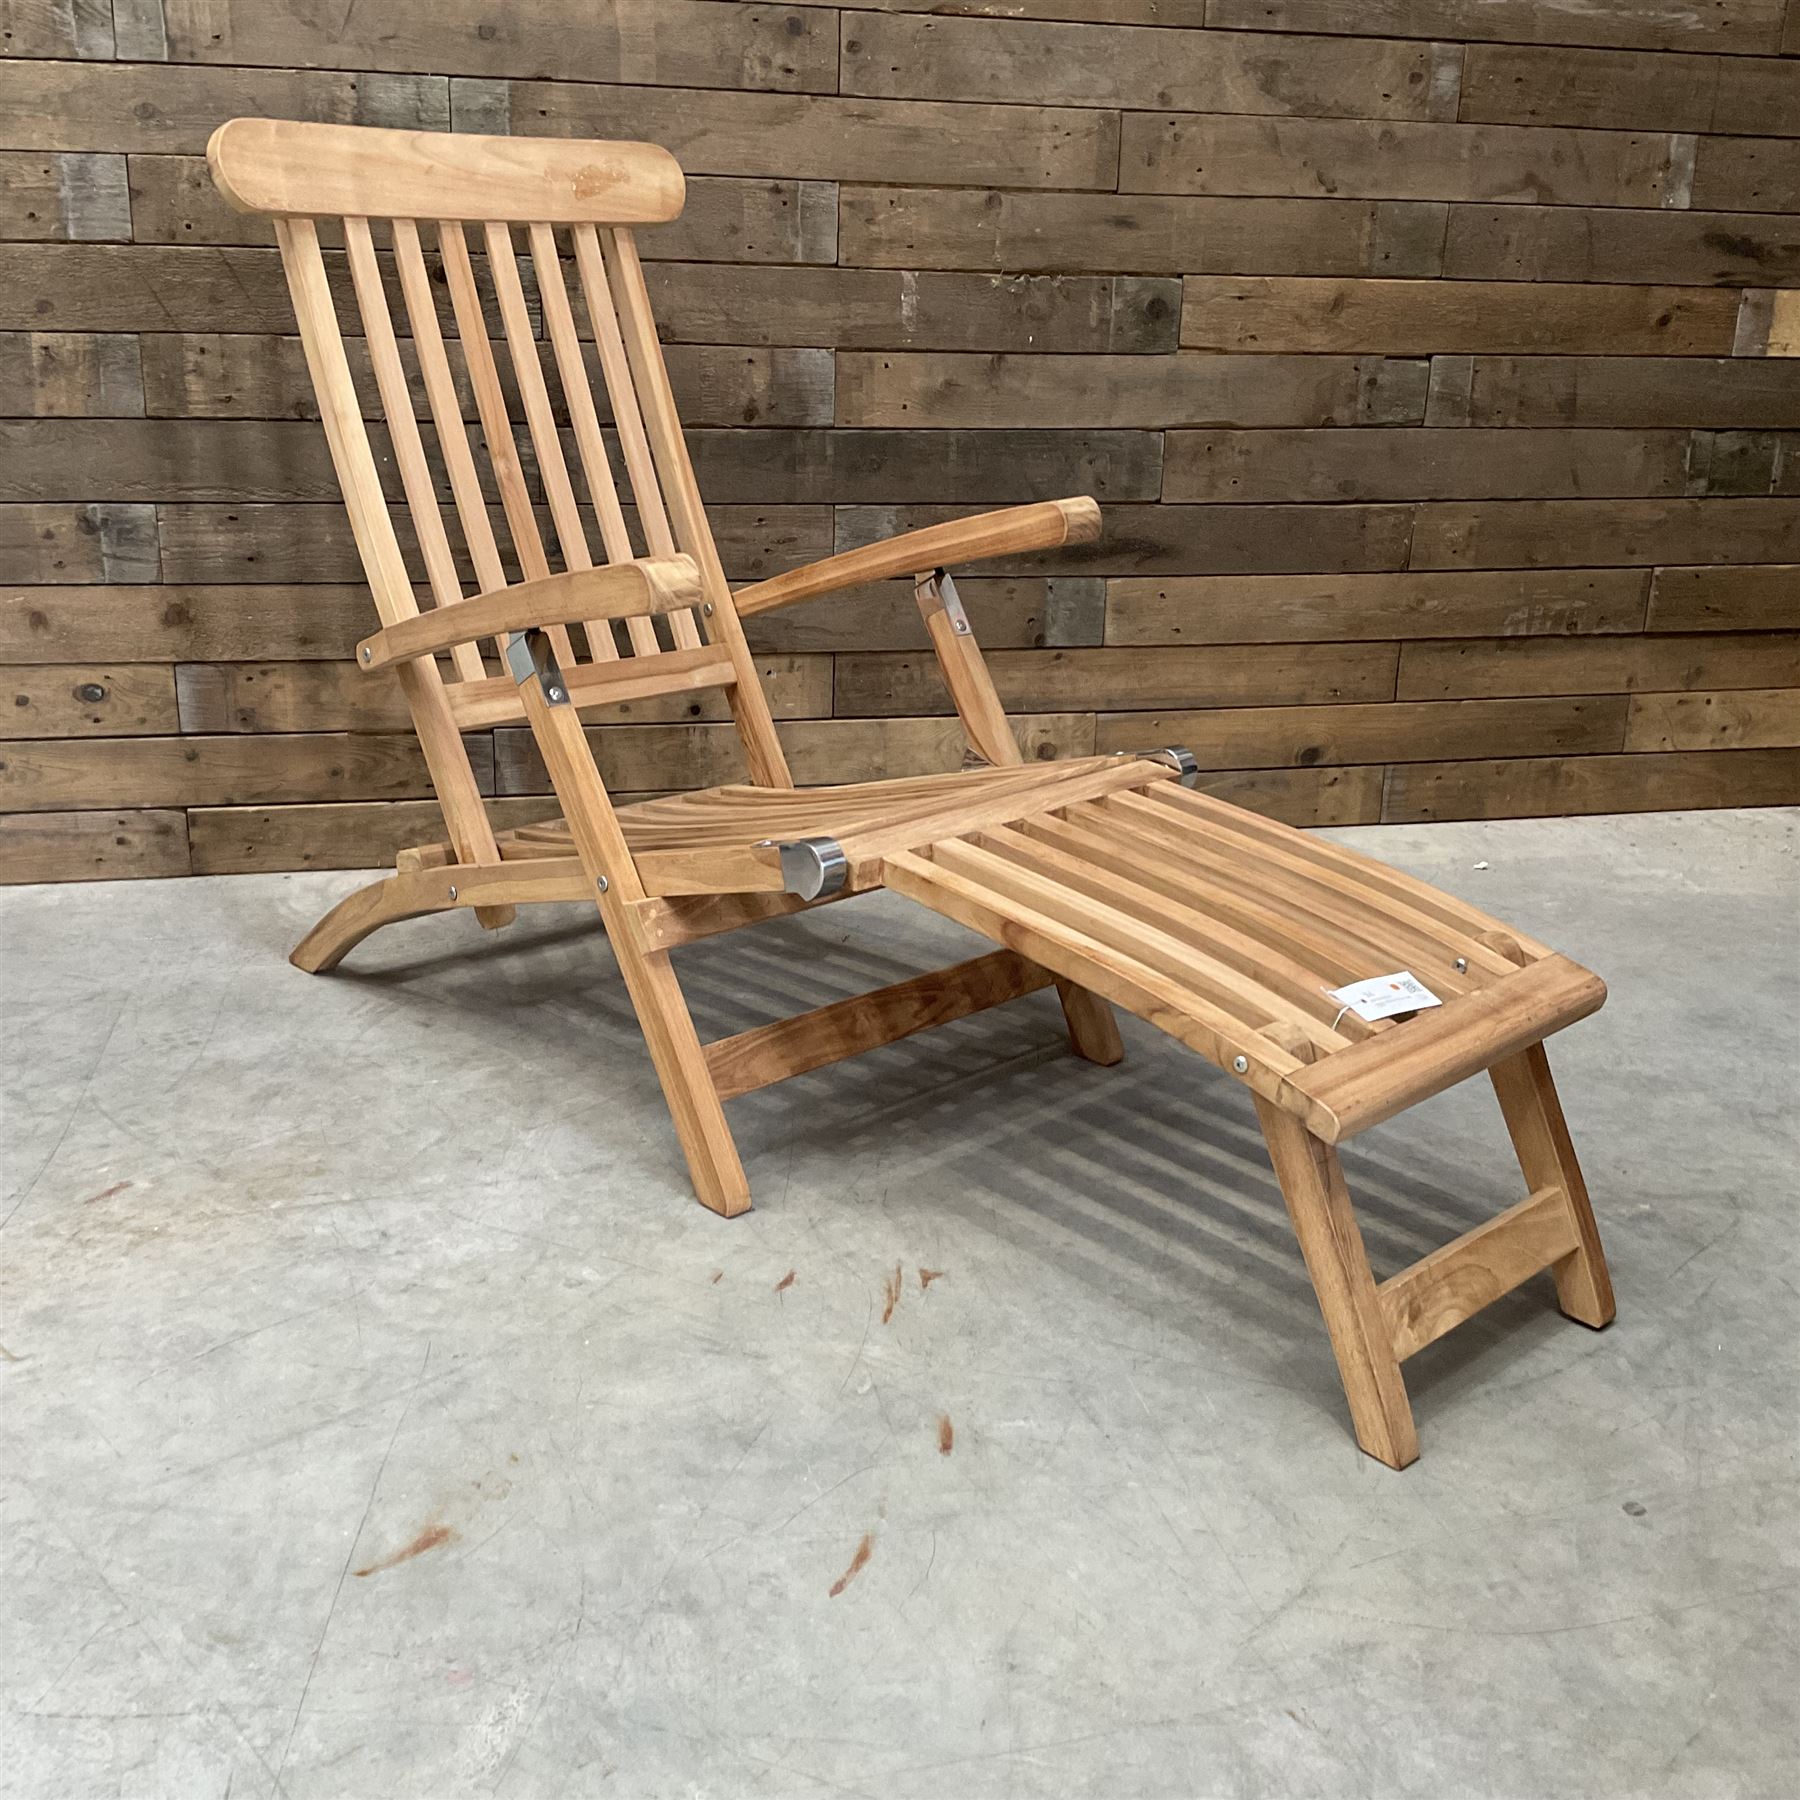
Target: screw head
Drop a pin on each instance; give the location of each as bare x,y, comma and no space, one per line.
453,893
555,696
1461,965
90,693
366,652
707,609
600,883
1241,1064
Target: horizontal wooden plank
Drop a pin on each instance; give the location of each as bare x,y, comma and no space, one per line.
63,196
204,543
1421,465
1210,609
899,55
1566,243
256,840
1308,736
725,218
339,696
1023,612
1741,719
1742,27
274,460
1715,598
1626,90
886,309
852,466
824,138
78,543
1546,787
180,623
59,374
1410,318
678,43
77,28
1747,174
973,228
1359,159
820,752
174,107
57,700
1717,392
1190,540
132,287
91,846
895,389
1115,12
1598,665
216,375
877,684
69,774
1524,534
1336,796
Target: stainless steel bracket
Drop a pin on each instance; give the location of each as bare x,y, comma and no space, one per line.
530,657
811,867
936,592
1184,762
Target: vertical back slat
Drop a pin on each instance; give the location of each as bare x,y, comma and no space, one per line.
540,422
590,445
615,370
750,710
421,681
446,408
496,422
403,431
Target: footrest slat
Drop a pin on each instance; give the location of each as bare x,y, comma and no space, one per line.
1450,1285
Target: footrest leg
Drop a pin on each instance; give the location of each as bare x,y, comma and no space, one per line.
1540,1136
1312,1182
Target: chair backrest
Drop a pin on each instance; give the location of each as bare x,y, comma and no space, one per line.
576,202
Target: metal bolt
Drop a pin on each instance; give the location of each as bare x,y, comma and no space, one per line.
1461,965
708,609
600,883
1241,1064
366,653
555,695
453,893
962,628
90,693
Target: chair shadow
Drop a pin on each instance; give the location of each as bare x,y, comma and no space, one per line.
1148,1181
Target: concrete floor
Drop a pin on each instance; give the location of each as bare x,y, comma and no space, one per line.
382,1418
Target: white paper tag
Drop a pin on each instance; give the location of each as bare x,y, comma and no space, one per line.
1381,996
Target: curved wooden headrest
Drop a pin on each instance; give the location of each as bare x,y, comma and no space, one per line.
286,168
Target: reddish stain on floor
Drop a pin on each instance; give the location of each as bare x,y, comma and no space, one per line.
118,1187
428,1539
946,1435
786,1282
928,1276
891,1288
858,1563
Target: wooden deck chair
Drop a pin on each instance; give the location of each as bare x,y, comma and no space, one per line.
1109,877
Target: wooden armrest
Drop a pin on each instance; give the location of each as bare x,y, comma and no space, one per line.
1042,526
652,584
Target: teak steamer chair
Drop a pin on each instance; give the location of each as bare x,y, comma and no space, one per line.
1105,876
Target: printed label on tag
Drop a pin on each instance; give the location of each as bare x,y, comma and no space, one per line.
1381,996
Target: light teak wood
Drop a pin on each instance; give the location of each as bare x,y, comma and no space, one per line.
1102,876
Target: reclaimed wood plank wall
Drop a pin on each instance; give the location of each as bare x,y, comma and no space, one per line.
1425,354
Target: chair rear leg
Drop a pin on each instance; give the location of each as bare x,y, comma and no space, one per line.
1312,1183
687,1083
1540,1135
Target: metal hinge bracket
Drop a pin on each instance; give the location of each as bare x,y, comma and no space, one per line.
529,657
936,592
811,867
